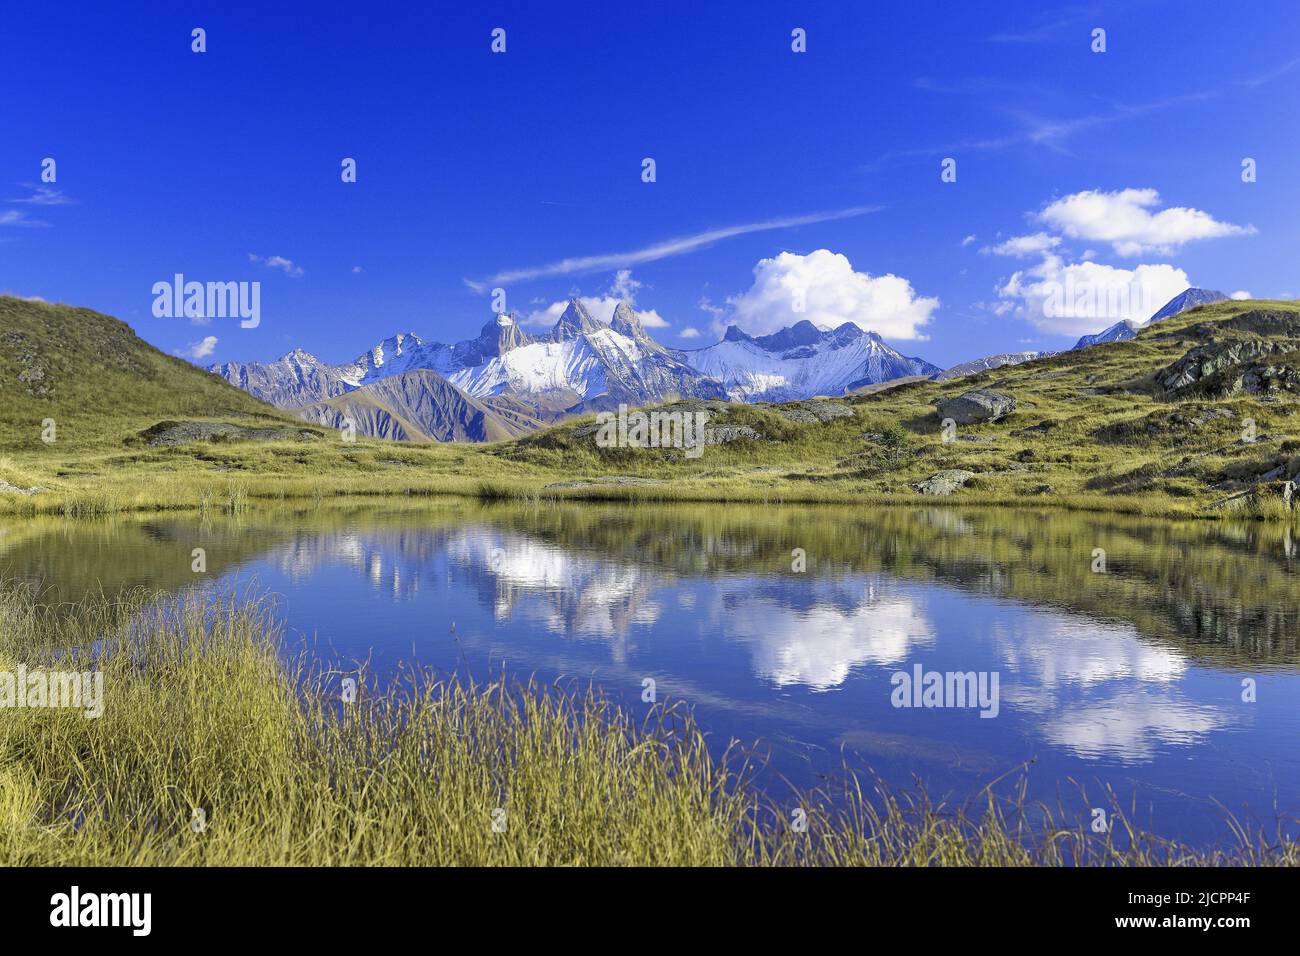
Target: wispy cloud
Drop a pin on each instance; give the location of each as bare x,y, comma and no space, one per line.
291,269
16,217
660,250
1048,24
1260,79
1037,129
44,196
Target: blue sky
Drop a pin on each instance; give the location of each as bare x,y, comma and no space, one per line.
475,169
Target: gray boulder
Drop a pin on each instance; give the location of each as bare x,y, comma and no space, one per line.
813,412
977,405
944,482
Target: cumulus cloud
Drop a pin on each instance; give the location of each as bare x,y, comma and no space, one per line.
624,286
690,332
1022,247
968,240
203,348
1128,221
1241,294
831,293
292,270
1082,297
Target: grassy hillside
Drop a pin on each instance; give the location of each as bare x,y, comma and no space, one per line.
1196,410
98,380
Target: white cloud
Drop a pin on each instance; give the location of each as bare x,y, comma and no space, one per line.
1083,297
690,332
1241,294
832,293
45,196
659,250
292,270
968,240
624,286
1126,220
16,217
706,305
622,289
357,270
204,348
1023,246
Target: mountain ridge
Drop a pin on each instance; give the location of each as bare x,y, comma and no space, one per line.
1125,329
581,364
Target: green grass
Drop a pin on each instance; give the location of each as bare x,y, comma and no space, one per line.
1099,454
203,714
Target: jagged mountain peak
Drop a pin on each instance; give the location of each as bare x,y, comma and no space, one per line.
300,357
574,321
625,321
583,364
794,336
801,361
1188,299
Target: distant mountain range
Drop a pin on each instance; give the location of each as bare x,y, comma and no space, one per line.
507,381
988,363
1128,328
801,361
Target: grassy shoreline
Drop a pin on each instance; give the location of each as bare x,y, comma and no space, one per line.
1093,430
206,719
200,492
117,429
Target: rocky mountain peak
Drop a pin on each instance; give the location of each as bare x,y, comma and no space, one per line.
575,321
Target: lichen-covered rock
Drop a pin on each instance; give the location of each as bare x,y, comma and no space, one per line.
622,481
977,405
181,433
11,489
1205,361
723,434
1259,496
813,412
944,482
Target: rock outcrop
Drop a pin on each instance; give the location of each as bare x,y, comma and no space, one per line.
944,482
976,406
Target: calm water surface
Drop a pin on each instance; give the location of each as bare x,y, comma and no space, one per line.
1131,679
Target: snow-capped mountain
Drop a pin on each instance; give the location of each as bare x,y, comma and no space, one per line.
583,361
988,363
579,365
507,380
1127,328
1121,331
1187,300
802,361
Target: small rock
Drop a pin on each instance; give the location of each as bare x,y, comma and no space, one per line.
1042,428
